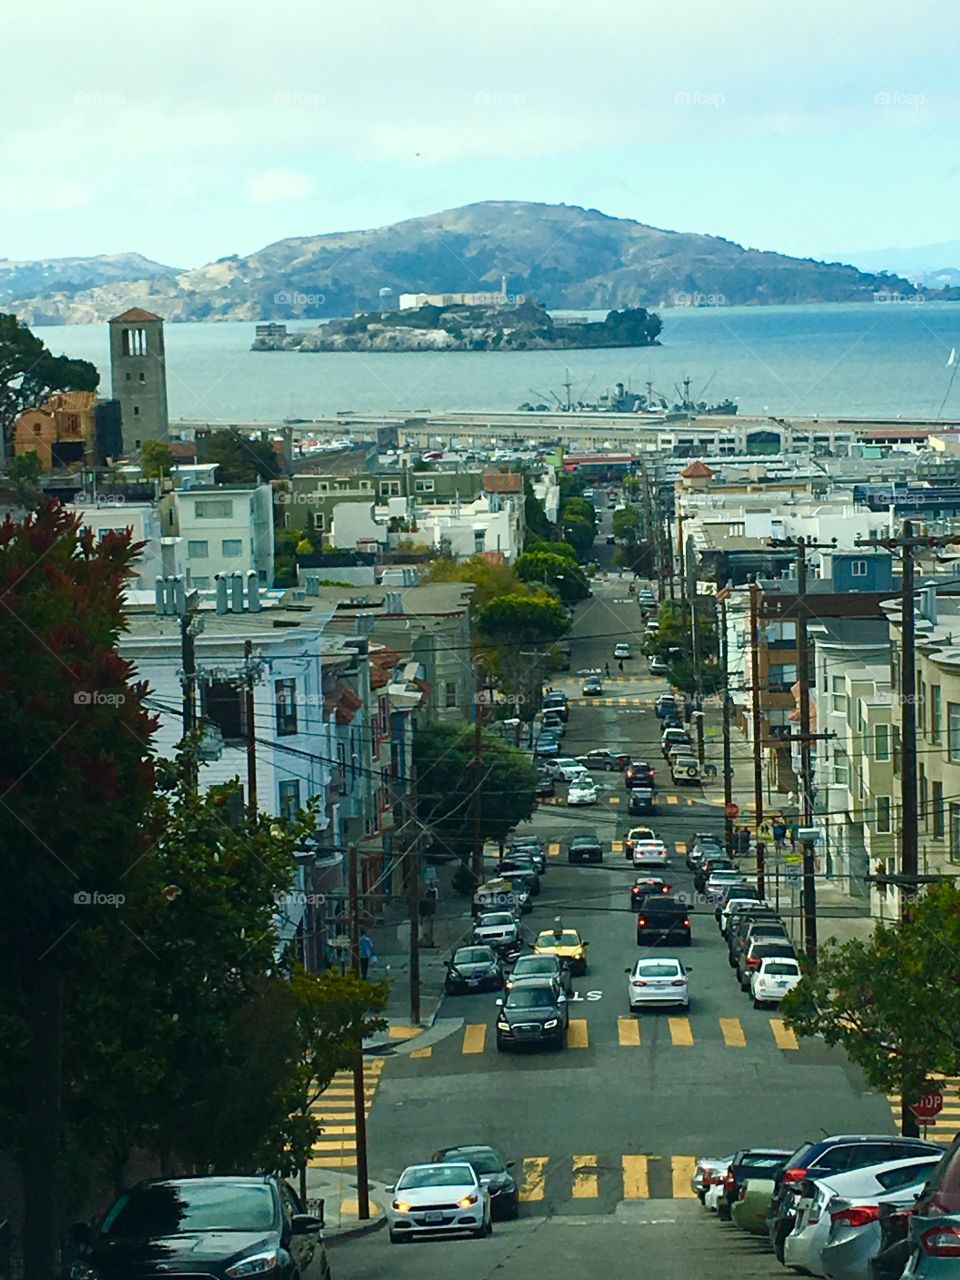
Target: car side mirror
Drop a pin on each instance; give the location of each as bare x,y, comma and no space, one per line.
628,971
498,1003
391,1189
304,1224
561,999
510,1164
81,1233
688,969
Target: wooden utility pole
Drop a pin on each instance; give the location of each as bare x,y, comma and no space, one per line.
476,771
755,721
250,728
188,678
722,597
359,1100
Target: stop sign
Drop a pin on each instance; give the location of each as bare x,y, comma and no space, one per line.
731,810
930,1104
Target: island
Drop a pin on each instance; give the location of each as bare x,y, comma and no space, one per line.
524,327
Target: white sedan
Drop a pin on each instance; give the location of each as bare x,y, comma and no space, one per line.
622,651
563,767
650,853
441,1198
657,982
583,791
770,983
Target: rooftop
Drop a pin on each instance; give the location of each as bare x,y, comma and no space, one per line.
135,315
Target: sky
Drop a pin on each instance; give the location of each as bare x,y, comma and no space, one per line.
195,129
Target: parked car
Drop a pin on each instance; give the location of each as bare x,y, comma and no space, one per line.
546,745
582,792
565,944
685,770
585,848
770,983
438,1198
657,982
749,1210
554,700
704,844
592,687
752,1162
706,1167
734,897
604,758
231,1223
473,969
515,867
566,768
672,737
665,705
658,666
714,862
641,802
757,930
663,919
552,722
941,1191
936,1247
494,1174
495,927
545,785
528,847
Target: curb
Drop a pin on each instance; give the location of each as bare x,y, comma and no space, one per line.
334,1234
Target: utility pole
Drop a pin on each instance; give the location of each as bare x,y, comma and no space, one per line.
755,721
476,774
722,597
188,659
250,727
359,1100
411,856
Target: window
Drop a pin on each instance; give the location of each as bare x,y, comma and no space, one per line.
781,635
841,773
389,488
450,693
289,796
936,713
479,539
858,568
938,811
134,342
200,582
955,832
129,377
953,732
222,703
231,546
285,703
423,486
136,411
839,697
197,549
782,677
143,377
319,521
881,742
213,509
924,796
883,816
921,705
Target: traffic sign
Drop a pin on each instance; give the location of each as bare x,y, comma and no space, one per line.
765,831
930,1104
791,876
731,810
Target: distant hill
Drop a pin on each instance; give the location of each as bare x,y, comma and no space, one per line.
68,278
935,266
562,255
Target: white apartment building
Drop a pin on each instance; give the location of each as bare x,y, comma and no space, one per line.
491,523
225,529
161,556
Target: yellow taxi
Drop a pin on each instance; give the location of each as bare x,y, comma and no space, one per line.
564,943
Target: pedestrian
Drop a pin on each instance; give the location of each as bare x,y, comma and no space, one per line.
620,663
779,834
743,841
366,952
606,669
794,832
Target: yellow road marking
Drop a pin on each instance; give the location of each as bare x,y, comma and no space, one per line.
733,1035
681,1033
553,850
783,1035
614,799
333,1162
586,1178
474,1036
533,1179
403,1032
680,846
682,1169
329,1129
336,1144
673,800
578,1036
616,846
636,1177
628,1031
422,1053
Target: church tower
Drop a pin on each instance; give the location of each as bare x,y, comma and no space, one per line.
139,375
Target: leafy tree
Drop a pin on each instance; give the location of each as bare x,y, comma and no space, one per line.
557,572
29,373
626,524
553,548
581,508
240,460
535,516
156,458
579,533
490,579
892,1001
513,631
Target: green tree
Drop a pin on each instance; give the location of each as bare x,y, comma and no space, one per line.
553,548
581,508
538,526
626,524
490,579
240,459
556,572
29,373
156,458
514,635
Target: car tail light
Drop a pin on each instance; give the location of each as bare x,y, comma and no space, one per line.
941,1242
753,962
677,982
858,1216
742,1193
686,922
638,982
794,1175
641,921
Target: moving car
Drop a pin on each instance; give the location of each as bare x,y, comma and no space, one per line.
752,1162
657,982
235,1225
473,969
565,944
502,894
566,768
550,968
641,802
552,722
674,737
534,1012
658,666
650,853
555,700
547,745
622,651
516,866
497,926
604,758
665,705
529,848
663,919
494,1174
639,773
545,785
703,845
771,982
592,687
582,793
646,887
443,1198
685,770
634,835
585,848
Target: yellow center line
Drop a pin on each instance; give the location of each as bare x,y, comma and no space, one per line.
628,1031
553,850
474,1037
533,1178
636,1177
614,799
733,1035
578,1036
682,1169
422,1053
681,1033
586,1178
783,1035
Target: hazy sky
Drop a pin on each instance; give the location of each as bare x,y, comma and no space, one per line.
193,129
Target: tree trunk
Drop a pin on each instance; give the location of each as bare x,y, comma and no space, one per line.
43,1105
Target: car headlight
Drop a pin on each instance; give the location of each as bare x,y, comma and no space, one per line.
401,1206
467,1201
81,1271
503,1026
551,1023
258,1264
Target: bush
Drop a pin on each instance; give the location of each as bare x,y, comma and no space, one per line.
464,881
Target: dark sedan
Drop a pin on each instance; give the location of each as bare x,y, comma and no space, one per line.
473,969
493,1172
646,887
532,1014
639,774
218,1226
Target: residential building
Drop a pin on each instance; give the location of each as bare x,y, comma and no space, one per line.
70,429
225,529
139,375
492,523
160,556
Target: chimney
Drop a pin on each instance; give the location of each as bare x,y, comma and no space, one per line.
159,600
179,596
221,582
253,591
236,592
928,603
394,602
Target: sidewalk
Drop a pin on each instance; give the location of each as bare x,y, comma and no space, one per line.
337,1188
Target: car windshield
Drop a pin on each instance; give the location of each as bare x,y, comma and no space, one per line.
175,1208
760,1164
568,938
482,1161
528,965
435,1175
661,969
498,918
534,996
473,955
783,968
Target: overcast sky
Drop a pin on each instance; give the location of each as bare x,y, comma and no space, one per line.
193,129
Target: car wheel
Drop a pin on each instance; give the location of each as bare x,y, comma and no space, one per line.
757,1004
501,1047
396,1238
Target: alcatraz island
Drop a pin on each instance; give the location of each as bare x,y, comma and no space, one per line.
458,327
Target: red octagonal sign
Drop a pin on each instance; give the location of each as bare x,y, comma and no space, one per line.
731,810
930,1104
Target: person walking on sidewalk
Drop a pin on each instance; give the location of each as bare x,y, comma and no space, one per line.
779,833
366,952
793,831
743,841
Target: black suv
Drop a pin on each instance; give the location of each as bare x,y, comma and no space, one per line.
533,1013
641,802
585,849
831,1155
662,919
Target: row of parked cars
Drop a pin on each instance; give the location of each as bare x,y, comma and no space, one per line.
846,1207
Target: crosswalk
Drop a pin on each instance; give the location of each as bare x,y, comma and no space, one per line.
947,1123
635,1033
336,1148
688,800
548,1181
